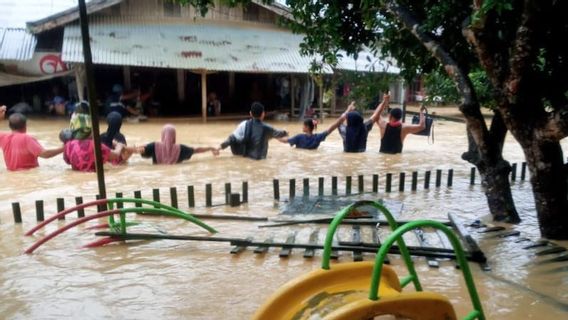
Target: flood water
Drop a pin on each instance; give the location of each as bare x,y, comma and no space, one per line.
200,280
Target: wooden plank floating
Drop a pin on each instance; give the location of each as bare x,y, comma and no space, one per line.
264,249
552,250
309,253
356,238
469,243
241,246
421,237
286,250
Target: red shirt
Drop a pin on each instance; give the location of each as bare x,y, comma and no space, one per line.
80,154
20,150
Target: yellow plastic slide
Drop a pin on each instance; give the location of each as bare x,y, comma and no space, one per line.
342,293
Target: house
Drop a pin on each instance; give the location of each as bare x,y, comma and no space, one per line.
241,53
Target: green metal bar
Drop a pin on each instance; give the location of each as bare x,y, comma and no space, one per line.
460,256
111,222
344,213
171,211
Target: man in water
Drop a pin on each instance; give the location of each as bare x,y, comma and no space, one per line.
393,131
20,149
250,139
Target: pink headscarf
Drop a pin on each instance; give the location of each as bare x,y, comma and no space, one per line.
167,151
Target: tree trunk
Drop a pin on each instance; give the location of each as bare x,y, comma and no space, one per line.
495,182
550,187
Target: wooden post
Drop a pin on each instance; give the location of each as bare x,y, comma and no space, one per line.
231,86
100,207
292,189
450,177
227,193
204,96
174,197
401,178
334,186
361,184
320,100
333,95
523,170
60,207
388,182
119,205
235,200
39,210
245,192
414,181
208,195
320,186
427,180
138,195
190,197
156,195
438,178
348,185
514,172
306,187
376,183
292,95
276,187
472,176
17,212
78,201
180,77
127,78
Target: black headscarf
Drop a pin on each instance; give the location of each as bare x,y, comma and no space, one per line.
355,134
114,120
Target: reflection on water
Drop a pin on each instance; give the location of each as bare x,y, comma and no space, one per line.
174,279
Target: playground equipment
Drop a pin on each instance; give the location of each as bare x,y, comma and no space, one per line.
118,227
363,290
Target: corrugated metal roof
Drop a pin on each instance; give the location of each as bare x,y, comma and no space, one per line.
191,46
152,43
16,44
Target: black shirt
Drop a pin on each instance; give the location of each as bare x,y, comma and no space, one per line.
391,141
185,152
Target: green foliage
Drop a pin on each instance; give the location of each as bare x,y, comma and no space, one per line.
438,85
366,87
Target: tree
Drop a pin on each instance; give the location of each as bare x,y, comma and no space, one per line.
519,45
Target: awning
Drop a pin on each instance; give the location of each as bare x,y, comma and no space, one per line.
199,46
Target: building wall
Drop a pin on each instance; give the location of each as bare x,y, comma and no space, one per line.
252,14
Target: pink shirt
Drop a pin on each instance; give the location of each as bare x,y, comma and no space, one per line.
80,154
20,150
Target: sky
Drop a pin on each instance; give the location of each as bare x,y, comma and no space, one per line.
15,13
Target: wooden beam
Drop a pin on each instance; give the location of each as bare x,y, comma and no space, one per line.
127,77
180,74
204,96
292,95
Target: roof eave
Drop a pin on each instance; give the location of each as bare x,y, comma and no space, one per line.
64,17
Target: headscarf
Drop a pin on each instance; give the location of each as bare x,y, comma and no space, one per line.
356,133
167,151
80,124
114,120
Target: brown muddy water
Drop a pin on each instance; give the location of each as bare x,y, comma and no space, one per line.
190,280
